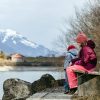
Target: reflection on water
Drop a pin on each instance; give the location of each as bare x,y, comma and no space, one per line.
29,76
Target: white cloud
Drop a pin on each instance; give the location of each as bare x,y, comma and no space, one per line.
40,18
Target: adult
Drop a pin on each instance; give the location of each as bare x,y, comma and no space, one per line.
86,61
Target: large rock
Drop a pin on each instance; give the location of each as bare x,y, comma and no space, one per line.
90,97
46,81
89,90
16,89
90,87
60,82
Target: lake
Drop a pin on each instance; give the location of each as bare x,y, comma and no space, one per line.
29,75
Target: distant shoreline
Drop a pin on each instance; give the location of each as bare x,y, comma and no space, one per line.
35,61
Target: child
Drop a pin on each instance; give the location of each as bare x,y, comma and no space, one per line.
71,54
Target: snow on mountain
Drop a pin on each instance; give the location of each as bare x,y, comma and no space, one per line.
13,42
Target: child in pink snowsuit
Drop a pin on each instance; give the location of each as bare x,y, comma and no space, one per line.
86,61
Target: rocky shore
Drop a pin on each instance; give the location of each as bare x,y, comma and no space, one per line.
16,89
42,89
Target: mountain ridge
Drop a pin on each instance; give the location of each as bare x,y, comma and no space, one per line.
13,42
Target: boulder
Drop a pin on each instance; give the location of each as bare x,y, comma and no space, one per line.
46,81
90,97
16,89
60,82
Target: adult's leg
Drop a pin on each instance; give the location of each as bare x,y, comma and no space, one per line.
72,78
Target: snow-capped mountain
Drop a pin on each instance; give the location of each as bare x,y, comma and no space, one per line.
13,42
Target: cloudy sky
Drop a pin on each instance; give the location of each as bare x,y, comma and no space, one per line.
38,20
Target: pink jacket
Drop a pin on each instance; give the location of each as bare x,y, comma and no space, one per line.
87,58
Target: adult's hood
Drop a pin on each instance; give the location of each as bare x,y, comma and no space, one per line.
91,44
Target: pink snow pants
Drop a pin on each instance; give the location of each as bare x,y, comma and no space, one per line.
72,78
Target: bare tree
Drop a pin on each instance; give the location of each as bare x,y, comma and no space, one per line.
86,20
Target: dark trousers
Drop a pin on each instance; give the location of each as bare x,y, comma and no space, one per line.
66,85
